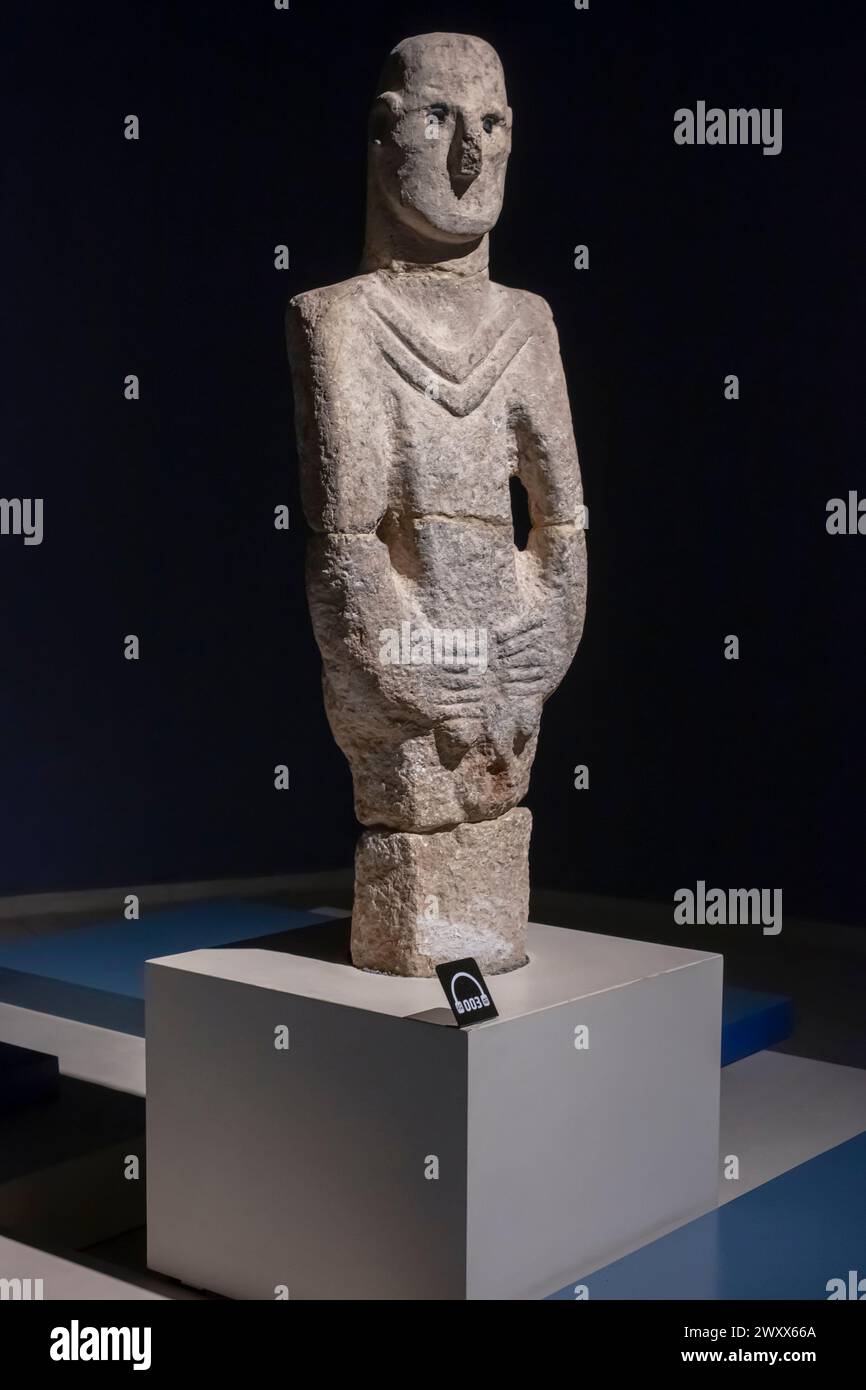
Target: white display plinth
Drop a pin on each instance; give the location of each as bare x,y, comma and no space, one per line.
386,1155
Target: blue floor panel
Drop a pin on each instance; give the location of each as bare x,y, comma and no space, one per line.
784,1240
752,1021
96,974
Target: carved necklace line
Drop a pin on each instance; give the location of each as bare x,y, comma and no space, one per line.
434,357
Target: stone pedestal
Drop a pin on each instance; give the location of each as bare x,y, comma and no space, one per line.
320,1130
421,900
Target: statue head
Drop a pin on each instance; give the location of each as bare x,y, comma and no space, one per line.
440,136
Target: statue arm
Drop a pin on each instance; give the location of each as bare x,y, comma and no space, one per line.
552,569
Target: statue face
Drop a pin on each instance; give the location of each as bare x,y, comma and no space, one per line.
441,138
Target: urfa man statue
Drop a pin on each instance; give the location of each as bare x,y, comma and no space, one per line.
421,389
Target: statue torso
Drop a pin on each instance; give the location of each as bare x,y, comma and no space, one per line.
445,374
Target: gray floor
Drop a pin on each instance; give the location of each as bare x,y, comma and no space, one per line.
64,1278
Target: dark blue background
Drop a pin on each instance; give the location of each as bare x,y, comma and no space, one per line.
706,517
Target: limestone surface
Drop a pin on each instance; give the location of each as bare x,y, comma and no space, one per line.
424,392
423,899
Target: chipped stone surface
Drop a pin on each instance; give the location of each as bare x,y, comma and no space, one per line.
421,389
424,899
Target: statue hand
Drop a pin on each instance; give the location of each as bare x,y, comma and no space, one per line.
523,664
458,692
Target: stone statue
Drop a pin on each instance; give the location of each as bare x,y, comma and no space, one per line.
422,388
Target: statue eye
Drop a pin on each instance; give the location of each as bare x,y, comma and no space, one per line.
437,114
488,123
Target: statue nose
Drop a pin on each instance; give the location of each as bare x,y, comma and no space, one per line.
464,156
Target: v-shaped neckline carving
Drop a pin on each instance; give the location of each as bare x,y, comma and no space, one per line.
457,378
455,364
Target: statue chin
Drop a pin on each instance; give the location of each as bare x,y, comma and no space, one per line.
451,227
439,215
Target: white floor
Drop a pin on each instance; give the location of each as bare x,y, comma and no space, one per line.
83,1051
778,1111
60,1278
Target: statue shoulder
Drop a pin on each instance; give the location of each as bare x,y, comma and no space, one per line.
316,313
532,310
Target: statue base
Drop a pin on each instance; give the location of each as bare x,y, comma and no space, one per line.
318,1132
422,900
